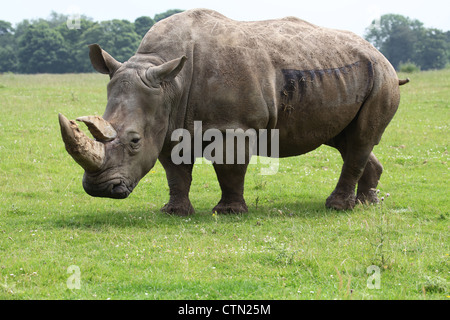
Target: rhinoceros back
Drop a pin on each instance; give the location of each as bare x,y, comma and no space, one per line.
289,42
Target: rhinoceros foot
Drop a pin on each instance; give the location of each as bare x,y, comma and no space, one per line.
183,209
368,197
231,207
341,201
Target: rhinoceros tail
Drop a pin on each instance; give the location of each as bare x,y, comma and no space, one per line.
403,82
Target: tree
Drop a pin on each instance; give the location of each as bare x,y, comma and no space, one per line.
164,15
395,36
118,37
432,52
401,39
56,19
399,47
8,56
142,25
6,28
77,50
42,50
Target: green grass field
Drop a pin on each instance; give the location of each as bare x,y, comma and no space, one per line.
289,246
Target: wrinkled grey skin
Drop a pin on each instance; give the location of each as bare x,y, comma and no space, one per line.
316,85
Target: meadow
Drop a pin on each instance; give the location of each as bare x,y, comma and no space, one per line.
289,246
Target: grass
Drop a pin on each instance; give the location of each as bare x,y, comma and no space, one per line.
287,247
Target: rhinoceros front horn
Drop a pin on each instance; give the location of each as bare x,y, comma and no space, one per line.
88,153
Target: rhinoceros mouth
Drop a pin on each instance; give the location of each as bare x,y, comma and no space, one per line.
114,189
121,190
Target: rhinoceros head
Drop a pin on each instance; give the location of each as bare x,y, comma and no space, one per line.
130,135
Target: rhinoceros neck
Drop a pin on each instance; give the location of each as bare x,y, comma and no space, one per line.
176,92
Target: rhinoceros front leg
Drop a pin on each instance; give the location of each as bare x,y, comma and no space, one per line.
231,179
179,178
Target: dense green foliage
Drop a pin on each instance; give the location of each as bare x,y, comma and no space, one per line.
403,40
408,67
50,46
289,246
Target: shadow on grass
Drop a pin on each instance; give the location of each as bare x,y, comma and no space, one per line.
140,217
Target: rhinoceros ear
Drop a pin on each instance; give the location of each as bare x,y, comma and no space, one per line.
165,72
102,61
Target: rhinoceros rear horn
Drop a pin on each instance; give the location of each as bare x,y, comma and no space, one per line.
88,153
101,129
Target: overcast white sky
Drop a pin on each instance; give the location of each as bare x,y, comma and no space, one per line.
353,15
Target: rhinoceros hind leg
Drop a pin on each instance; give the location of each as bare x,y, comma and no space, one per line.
355,161
356,143
179,179
231,179
368,183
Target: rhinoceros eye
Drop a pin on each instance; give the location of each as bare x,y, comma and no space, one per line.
135,140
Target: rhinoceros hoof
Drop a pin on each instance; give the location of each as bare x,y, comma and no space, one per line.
367,198
181,210
340,201
233,207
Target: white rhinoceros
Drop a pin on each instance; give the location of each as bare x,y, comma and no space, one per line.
314,85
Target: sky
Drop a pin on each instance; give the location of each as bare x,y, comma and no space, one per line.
353,15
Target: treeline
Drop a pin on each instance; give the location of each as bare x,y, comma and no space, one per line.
50,46
406,41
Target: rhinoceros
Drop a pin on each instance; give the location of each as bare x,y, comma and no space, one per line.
316,86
